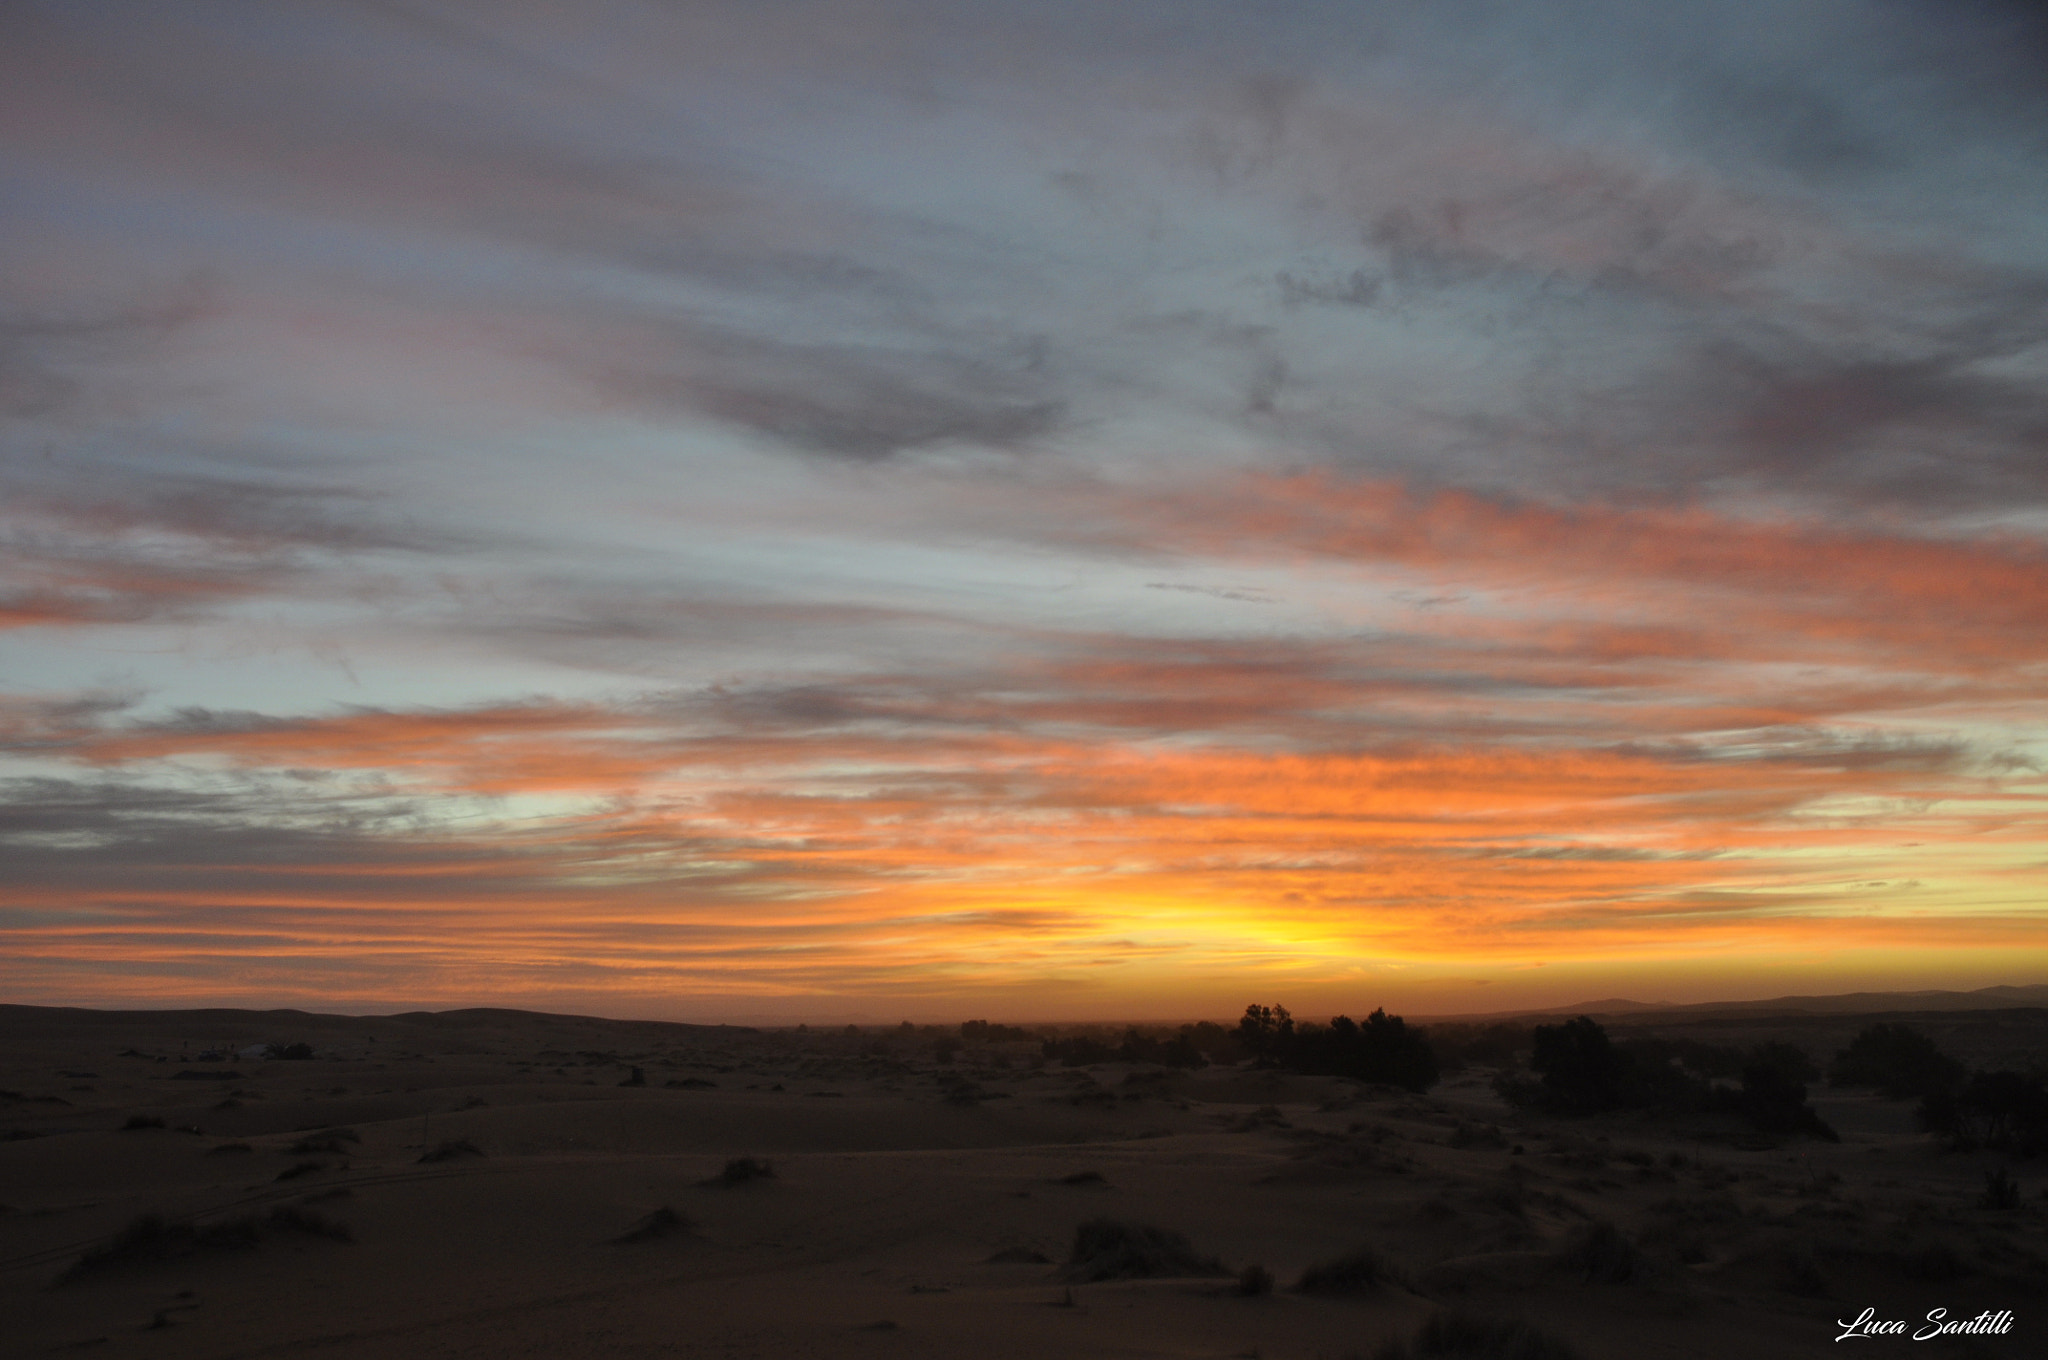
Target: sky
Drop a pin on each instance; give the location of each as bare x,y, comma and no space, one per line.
874,509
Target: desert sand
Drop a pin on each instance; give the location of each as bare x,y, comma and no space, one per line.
486,1183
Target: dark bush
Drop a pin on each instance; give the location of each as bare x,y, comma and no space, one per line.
1582,1071
1077,1051
141,1121
1787,1061
1773,1102
1899,1061
298,1169
1213,1042
742,1171
1254,1282
1105,1249
2007,1111
1355,1272
1603,1255
663,1222
1383,1049
305,1222
2000,1191
289,1052
1178,1051
1462,1045
329,1142
1463,1336
450,1150
982,1032
1019,1256
153,1238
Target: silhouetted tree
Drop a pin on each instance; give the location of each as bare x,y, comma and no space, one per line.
1898,1060
1268,1031
1583,1073
2003,1110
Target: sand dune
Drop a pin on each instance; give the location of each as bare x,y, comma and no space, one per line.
915,1208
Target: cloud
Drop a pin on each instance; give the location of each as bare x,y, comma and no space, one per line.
1627,420
84,543
49,357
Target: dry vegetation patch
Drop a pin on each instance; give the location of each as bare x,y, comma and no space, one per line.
1467,1336
1360,1271
654,1227
742,1171
1108,1249
154,1238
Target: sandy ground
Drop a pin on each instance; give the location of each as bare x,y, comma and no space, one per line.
900,1184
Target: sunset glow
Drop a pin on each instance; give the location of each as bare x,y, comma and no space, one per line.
854,511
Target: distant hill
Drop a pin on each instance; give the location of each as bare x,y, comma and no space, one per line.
1847,1003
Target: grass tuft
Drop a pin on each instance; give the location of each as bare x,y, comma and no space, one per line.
1466,1336
1603,1255
662,1223
1355,1272
1106,1249
450,1150
153,1238
743,1171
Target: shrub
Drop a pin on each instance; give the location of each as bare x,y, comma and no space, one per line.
1077,1051
1899,1061
2003,1110
331,1142
307,1223
1254,1281
2000,1191
982,1032
1019,1256
1774,1102
663,1222
450,1150
1603,1255
153,1238
742,1171
1463,1336
141,1121
1381,1049
298,1169
1582,1071
289,1052
1105,1249
1355,1272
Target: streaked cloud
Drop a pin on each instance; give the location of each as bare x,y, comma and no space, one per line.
901,505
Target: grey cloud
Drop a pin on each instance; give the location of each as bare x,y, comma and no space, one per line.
106,500
1356,289
108,544
46,356
853,401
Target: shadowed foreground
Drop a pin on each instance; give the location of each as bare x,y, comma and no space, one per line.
501,1184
